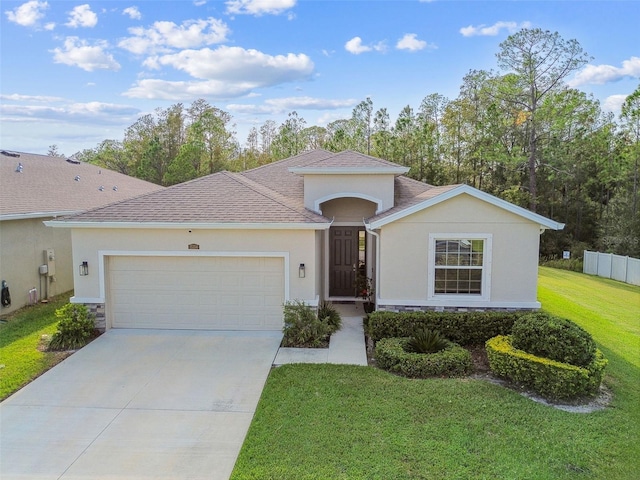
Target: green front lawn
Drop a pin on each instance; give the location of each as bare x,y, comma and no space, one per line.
20,336
343,422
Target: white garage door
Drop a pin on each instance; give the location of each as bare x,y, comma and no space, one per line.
212,293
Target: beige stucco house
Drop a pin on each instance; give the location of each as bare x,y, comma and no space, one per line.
227,250
36,261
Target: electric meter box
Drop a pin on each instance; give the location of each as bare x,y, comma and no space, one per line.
50,260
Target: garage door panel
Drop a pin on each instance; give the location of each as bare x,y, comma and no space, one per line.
241,293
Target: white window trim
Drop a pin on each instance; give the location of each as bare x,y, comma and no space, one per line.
485,294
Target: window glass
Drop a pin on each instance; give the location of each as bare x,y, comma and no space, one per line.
458,266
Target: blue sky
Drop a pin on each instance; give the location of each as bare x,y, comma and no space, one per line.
74,73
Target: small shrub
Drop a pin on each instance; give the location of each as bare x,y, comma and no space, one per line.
329,315
75,329
549,378
553,337
426,341
464,328
302,327
453,361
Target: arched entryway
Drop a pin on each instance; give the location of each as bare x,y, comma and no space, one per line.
349,255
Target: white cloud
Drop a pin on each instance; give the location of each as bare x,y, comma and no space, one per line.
16,97
493,30
237,64
614,103
410,42
28,13
199,3
167,90
82,16
259,7
282,105
164,36
93,112
79,53
132,12
356,47
226,72
50,26
601,74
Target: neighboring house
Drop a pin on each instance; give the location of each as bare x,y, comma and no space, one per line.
225,251
35,188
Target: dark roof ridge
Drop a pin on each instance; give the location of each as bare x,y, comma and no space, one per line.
288,159
413,180
354,152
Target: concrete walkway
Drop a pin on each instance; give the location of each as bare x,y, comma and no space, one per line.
347,345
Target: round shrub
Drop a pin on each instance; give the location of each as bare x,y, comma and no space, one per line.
553,337
549,378
453,361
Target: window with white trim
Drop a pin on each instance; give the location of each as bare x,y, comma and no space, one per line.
459,265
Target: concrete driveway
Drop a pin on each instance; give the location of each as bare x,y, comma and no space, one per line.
139,404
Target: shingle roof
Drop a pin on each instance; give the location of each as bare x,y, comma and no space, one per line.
222,197
351,159
269,194
47,185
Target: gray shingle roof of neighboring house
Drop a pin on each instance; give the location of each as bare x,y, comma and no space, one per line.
270,194
40,186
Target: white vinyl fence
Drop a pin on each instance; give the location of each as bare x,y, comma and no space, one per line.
608,265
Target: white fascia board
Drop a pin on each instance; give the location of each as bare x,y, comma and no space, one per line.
191,226
544,222
349,170
26,216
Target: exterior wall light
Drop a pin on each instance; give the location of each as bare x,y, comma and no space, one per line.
301,271
84,269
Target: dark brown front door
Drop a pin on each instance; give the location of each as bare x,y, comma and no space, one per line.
343,260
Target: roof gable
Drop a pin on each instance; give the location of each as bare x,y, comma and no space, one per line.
438,195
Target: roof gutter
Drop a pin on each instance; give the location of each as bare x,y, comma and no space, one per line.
25,216
190,226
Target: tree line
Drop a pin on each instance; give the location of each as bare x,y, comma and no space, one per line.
519,133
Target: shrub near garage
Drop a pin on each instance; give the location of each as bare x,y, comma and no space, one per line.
304,328
75,329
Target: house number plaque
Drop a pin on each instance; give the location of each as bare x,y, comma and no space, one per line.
194,246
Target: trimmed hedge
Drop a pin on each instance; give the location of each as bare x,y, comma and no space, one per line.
453,361
464,328
553,337
549,378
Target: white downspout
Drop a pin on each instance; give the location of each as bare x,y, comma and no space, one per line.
377,280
